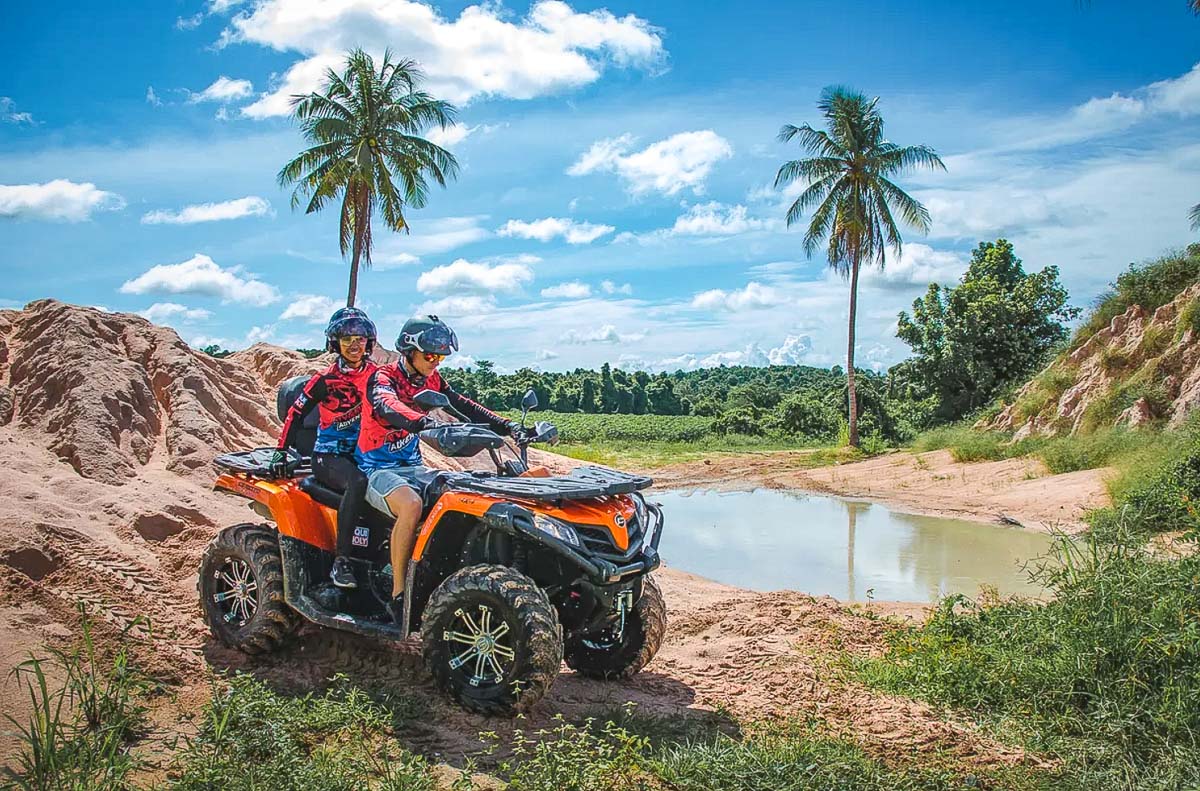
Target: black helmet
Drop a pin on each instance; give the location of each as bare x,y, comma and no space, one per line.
429,334
349,321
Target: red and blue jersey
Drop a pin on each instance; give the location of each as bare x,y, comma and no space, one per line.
337,394
392,419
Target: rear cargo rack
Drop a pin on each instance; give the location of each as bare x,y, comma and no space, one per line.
257,462
580,483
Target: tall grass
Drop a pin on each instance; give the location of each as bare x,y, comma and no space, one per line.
78,735
1059,454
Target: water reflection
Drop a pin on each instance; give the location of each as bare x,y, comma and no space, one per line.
769,540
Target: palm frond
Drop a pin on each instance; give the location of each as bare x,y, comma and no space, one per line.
1194,216
896,159
911,209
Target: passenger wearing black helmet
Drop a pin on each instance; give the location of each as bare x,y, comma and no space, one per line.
388,448
338,394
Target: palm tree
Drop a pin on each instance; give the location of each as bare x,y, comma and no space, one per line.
366,128
848,181
1194,215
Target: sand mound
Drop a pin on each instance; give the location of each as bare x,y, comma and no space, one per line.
107,392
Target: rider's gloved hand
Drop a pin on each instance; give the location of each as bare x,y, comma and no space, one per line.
429,422
278,466
517,431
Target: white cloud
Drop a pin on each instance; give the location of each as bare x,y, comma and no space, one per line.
752,297
546,229
250,206
470,305
427,237
463,275
1180,95
484,52
716,219
313,308
1101,116
573,290
188,22
793,350
609,287
201,275
9,114
449,136
919,265
152,97
681,161
165,312
59,200
222,6
546,354
604,334
223,90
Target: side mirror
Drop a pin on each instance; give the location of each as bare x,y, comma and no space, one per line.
544,431
431,399
529,401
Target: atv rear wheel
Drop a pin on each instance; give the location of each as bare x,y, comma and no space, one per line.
492,639
241,590
602,655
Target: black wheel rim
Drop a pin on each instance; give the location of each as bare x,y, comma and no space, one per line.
479,645
235,592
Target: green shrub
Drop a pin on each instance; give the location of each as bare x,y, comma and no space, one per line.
1189,319
1150,285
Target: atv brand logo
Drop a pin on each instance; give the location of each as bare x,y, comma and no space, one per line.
619,520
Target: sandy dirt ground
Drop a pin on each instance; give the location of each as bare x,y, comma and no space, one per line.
1013,491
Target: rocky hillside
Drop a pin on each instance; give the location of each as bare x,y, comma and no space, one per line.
1142,369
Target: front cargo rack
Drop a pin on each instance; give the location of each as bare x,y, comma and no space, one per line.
580,483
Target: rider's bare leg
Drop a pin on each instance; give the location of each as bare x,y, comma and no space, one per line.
406,505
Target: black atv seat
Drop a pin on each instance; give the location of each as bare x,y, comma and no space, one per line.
319,492
332,498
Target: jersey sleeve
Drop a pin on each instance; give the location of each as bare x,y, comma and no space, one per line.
313,393
387,406
477,412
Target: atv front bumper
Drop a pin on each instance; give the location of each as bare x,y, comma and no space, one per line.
518,521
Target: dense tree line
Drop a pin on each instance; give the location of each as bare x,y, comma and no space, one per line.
797,400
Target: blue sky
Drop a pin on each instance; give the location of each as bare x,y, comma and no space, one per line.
614,202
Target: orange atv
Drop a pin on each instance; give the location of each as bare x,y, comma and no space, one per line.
512,572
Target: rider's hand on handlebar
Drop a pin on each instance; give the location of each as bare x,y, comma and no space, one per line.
432,422
517,431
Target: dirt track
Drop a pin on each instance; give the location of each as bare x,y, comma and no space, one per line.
1013,490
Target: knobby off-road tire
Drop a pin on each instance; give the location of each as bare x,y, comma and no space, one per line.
241,590
484,600
645,627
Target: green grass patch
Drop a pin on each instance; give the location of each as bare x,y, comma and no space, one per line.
1069,453
1105,675
1189,319
652,454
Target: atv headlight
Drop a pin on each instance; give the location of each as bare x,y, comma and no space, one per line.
563,532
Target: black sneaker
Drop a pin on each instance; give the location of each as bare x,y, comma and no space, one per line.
395,608
343,573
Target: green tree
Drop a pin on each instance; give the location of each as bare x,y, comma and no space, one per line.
1194,216
992,330
610,399
366,127
848,181
587,396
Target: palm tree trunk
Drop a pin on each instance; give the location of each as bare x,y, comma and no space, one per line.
850,391
353,278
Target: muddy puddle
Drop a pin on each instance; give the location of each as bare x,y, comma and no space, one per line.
854,551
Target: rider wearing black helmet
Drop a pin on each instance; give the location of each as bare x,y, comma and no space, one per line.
388,448
338,393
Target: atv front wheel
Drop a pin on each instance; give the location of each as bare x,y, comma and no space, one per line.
604,655
491,639
241,590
